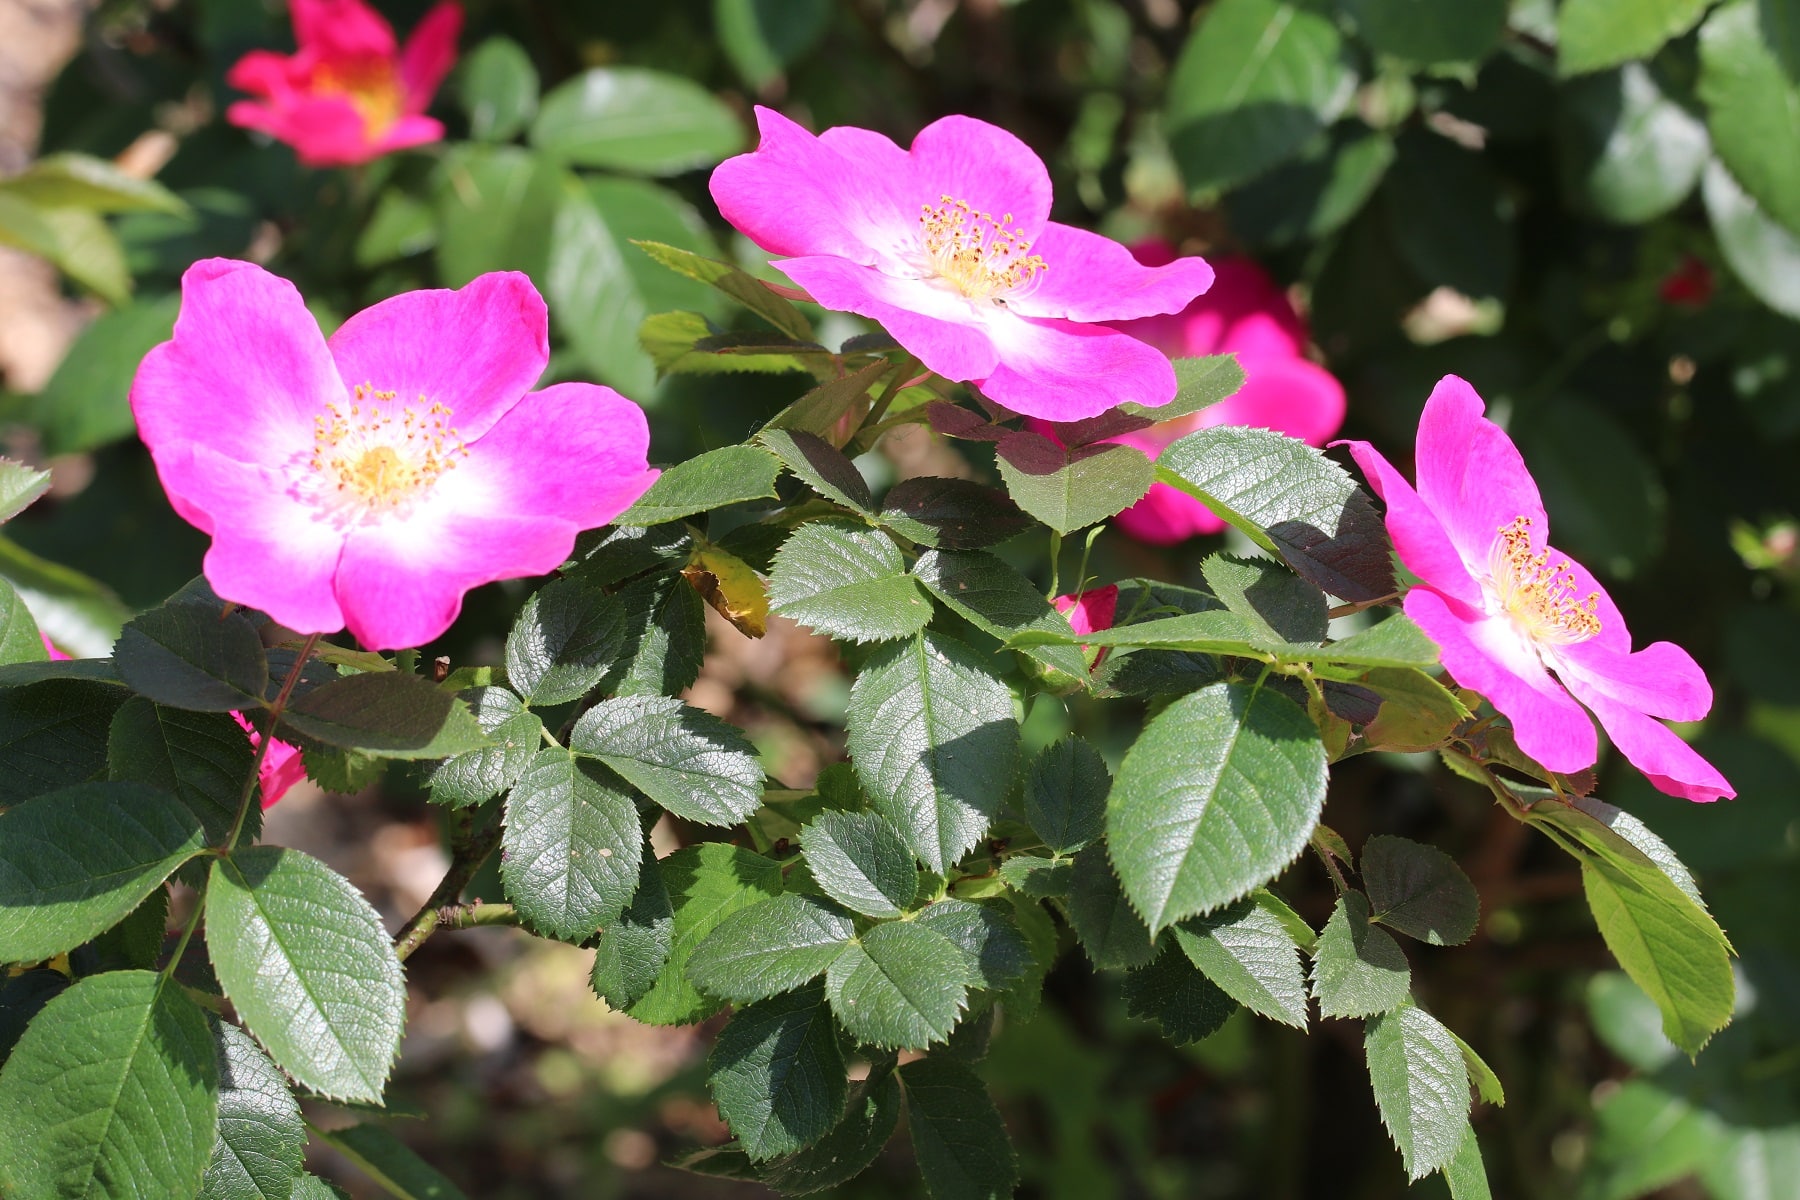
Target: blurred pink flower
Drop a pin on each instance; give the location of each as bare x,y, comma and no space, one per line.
281,766
349,93
1689,285
949,245
371,480
1090,612
1244,313
1518,622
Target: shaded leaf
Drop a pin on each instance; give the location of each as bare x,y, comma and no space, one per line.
777,1074
572,845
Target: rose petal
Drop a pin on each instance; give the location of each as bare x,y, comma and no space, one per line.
1669,763
429,53
1092,278
475,350
1419,538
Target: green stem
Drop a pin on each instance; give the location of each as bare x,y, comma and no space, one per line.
469,851
187,930
1055,565
896,381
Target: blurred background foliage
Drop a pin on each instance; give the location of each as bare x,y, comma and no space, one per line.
1589,210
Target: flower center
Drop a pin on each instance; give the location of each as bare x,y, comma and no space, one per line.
1541,598
983,258
371,461
372,87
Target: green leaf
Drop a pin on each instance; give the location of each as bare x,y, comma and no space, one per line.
901,986
706,883
934,742
20,639
1420,891
1629,150
996,953
994,597
305,961
822,466
1593,34
1647,1138
22,225
1186,1005
1417,712
86,403
498,87
1460,235
387,1160
846,581
1421,1087
957,1134
761,37
777,1074
770,948
572,846
1290,500
1218,794
203,758
821,411
632,950
1065,794
1432,31
1312,197
190,656
1358,971
728,475
390,714
514,737
1247,951
861,862
1109,930
686,760
134,944
20,486
75,862
1628,1021
1667,944
952,513
665,638
1200,382
1760,252
79,614
82,181
1256,81
261,1139
1487,1084
1272,600
496,211
688,343
634,119
1753,1162
88,251
1466,1175
565,639
111,1093
53,734
1752,104
871,1115
736,283
600,289
401,226
1069,488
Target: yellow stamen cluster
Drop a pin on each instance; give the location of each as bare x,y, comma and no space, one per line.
1540,597
984,258
371,462
372,87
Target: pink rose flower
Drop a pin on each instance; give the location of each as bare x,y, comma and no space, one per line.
949,245
349,94
1090,612
369,481
281,766
1520,623
1246,314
